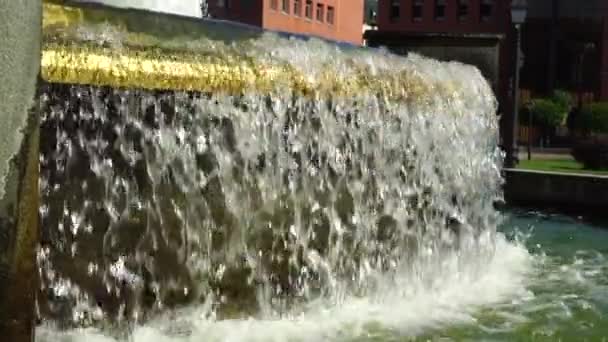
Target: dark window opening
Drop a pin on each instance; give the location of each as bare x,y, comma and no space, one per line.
440,10
486,10
274,4
320,12
285,6
463,10
417,10
330,15
297,8
247,4
395,11
308,9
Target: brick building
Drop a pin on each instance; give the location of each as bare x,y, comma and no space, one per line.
339,20
455,16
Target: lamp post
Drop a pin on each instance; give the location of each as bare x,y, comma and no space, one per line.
519,10
529,133
584,49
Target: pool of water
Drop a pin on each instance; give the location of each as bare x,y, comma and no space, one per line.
567,288
548,281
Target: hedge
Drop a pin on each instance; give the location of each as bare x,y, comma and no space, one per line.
547,112
592,154
593,118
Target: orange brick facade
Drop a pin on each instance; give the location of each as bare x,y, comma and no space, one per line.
339,20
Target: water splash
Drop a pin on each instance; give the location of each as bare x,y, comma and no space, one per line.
279,207
401,312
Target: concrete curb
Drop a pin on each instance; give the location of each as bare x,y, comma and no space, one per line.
572,193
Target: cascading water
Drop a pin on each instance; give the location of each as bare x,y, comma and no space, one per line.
292,215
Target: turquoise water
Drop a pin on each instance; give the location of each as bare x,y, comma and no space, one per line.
568,286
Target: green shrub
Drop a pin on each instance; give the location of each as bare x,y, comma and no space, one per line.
546,113
593,118
563,99
592,154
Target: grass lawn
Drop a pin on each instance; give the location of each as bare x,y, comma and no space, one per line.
557,165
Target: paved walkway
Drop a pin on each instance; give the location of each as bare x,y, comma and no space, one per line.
546,153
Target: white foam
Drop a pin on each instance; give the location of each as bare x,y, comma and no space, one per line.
411,308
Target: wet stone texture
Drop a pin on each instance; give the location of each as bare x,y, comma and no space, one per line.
19,239
20,24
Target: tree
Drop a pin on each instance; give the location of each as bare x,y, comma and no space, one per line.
546,113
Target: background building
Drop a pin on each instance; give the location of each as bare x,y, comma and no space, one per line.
477,32
339,20
471,31
566,47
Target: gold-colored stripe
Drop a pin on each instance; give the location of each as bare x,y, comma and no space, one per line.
134,64
150,70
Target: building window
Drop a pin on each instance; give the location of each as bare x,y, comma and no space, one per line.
330,15
308,9
463,10
417,10
320,12
247,4
297,8
274,4
486,10
285,6
395,11
440,10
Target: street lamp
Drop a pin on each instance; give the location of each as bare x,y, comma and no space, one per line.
519,11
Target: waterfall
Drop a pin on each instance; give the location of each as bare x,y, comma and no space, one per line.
271,203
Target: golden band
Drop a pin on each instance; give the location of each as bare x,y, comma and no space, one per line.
142,61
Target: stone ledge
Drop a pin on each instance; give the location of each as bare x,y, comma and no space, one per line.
563,191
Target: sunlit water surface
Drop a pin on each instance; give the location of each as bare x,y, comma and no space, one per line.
548,281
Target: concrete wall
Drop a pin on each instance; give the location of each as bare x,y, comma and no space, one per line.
20,24
568,192
482,51
483,57
248,12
